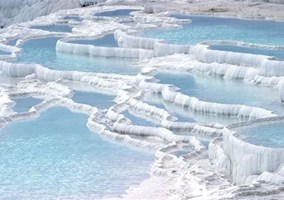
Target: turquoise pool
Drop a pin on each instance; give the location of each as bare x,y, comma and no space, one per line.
95,99
186,115
105,41
116,13
278,54
76,18
57,157
270,135
213,28
42,51
54,28
24,104
214,89
4,52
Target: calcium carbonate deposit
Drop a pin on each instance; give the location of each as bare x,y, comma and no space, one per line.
142,100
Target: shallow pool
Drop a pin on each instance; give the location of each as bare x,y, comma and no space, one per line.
218,90
105,41
187,115
116,13
24,104
271,135
54,28
278,54
42,51
57,157
4,52
213,28
137,120
76,18
99,100
12,42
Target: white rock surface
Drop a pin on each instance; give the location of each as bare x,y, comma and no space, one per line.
13,11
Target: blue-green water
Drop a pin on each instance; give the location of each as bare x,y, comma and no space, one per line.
12,42
42,51
271,135
4,52
137,120
57,157
24,104
76,18
212,28
278,54
54,28
187,115
116,13
106,41
99,100
224,91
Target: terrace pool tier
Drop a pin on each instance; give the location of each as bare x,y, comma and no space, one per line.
54,28
24,104
278,54
269,135
105,41
57,157
214,28
42,51
116,13
213,89
99,100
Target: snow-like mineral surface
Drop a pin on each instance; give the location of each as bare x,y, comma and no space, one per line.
183,102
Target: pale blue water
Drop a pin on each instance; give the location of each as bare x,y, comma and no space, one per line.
4,52
171,109
186,115
24,104
76,18
12,42
57,157
279,54
116,13
224,91
212,28
182,152
271,135
99,100
54,28
137,120
127,21
42,51
106,41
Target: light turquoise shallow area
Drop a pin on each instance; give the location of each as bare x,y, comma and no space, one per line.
278,54
24,104
187,115
99,100
106,41
42,51
218,90
213,89
116,13
4,52
54,28
57,157
212,28
271,135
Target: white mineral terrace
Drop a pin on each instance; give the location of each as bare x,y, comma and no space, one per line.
229,169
